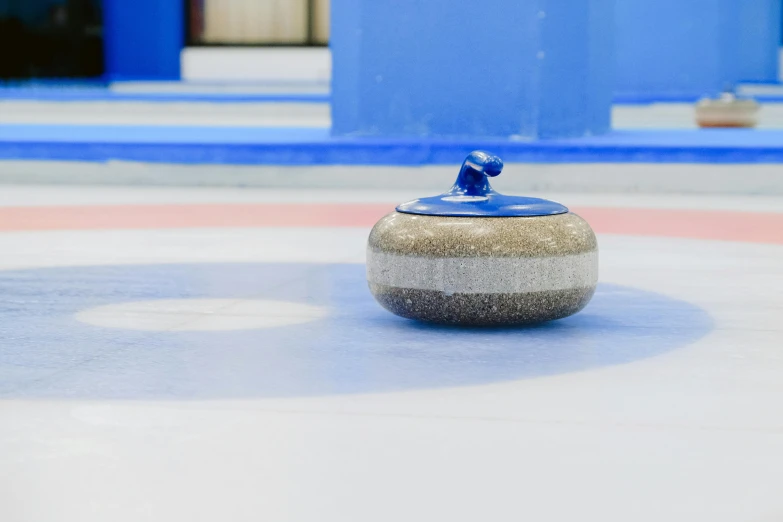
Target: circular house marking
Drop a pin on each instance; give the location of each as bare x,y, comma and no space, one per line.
179,315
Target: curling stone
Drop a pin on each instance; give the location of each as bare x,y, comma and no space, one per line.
473,256
727,111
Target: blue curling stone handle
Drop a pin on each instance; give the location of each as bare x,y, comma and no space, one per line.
473,196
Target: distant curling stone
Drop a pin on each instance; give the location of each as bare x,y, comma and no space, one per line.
727,111
473,256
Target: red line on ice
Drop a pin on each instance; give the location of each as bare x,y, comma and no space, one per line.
754,227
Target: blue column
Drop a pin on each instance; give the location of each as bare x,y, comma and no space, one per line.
759,40
690,48
143,39
471,68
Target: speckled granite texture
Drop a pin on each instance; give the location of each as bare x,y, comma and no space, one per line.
438,236
482,309
482,271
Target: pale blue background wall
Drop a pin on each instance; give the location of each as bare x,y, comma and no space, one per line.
529,68
694,47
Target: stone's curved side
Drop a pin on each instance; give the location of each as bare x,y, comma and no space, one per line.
438,236
483,275
482,309
482,271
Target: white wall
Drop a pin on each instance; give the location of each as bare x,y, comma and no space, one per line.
254,64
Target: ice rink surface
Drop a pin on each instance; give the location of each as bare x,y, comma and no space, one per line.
295,114
213,354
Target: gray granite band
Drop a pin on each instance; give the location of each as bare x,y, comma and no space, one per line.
438,236
483,275
482,309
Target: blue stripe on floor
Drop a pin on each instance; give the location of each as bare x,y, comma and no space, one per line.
98,94
314,146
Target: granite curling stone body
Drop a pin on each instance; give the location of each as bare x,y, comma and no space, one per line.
473,256
727,111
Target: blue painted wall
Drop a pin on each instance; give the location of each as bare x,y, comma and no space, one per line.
577,70
694,47
527,68
143,39
761,30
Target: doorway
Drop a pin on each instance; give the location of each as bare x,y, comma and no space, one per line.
42,39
